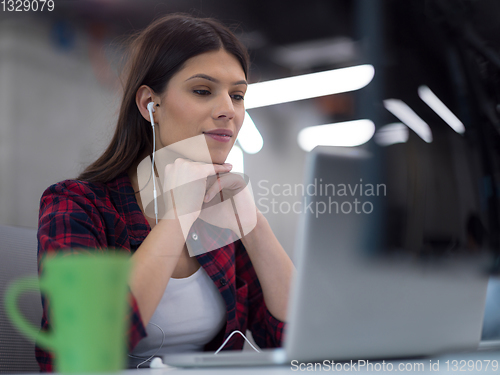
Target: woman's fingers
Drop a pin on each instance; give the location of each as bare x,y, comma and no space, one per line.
237,210
224,168
231,181
213,189
186,182
211,171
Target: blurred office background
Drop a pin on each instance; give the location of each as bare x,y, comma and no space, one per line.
60,91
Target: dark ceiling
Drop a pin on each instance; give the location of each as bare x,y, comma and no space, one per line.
266,24
279,22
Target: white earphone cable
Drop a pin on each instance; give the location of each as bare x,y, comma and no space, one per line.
152,356
153,175
232,333
150,107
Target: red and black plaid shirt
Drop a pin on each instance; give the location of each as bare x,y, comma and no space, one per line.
77,214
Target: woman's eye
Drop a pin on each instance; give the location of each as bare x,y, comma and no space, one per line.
202,92
237,97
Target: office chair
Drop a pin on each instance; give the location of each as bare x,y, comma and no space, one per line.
18,258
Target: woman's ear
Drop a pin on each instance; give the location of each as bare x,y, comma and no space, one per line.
144,96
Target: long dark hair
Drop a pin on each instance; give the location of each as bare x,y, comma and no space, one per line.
156,54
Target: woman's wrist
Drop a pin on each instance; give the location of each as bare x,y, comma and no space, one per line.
252,236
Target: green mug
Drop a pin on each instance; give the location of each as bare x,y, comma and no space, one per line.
87,295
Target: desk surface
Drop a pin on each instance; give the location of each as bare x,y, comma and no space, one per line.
484,362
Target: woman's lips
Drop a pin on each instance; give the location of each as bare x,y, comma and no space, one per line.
220,135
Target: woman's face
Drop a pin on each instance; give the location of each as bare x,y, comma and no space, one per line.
204,98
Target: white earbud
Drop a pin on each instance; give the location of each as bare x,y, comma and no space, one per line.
151,109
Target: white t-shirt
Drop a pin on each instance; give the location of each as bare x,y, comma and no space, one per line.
190,313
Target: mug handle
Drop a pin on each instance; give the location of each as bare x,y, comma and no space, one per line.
13,292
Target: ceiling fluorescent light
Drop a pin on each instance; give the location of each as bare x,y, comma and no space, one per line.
308,86
392,133
249,137
345,134
441,109
401,110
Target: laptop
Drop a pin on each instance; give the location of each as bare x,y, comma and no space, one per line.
387,266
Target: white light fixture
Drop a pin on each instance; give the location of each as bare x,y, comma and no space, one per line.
308,86
345,134
403,112
249,137
235,158
392,133
441,109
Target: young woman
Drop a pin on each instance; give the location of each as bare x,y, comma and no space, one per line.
194,71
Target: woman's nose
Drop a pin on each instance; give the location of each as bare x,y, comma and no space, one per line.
224,108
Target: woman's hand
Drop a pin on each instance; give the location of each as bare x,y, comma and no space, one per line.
185,187
229,203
